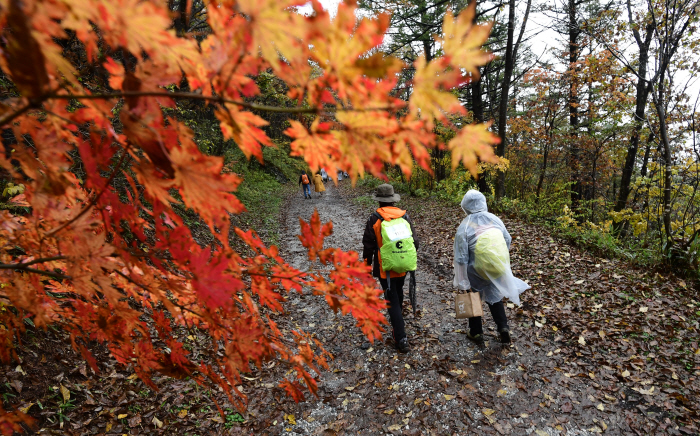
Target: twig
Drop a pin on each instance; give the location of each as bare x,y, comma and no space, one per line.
221,100
94,200
25,267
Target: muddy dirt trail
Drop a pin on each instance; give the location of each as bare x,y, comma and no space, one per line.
445,384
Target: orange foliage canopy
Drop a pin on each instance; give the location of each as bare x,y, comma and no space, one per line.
69,263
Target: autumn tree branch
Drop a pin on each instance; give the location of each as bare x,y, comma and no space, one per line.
95,198
217,99
24,266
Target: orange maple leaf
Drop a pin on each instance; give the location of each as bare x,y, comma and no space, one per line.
472,141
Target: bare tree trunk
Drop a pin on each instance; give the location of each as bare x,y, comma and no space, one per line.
574,164
511,52
478,110
659,103
643,88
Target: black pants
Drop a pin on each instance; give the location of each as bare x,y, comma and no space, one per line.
498,311
395,299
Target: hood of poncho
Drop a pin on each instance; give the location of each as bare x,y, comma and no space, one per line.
473,202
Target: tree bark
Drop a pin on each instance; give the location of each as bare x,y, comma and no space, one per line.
478,111
503,104
639,118
574,164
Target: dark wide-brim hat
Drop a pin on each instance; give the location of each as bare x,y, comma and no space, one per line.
385,194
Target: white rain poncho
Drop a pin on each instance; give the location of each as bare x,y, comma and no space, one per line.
481,259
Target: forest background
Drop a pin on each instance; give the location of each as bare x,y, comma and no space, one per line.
597,111
598,141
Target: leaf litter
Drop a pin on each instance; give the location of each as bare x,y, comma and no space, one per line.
598,347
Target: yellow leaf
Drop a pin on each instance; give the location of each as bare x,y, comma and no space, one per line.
290,419
108,427
395,427
602,334
554,328
448,397
407,366
643,309
429,99
349,388
581,340
389,412
471,141
157,422
502,392
122,416
488,412
625,373
182,413
276,29
65,393
132,377
26,408
600,407
537,324
462,40
417,401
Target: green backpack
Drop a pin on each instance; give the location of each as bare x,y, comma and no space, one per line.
398,253
491,257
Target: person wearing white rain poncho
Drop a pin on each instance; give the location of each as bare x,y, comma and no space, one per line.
482,263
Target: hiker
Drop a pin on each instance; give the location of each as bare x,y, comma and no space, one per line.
482,263
324,175
304,182
318,184
379,251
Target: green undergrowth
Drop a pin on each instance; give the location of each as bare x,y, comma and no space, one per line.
263,188
547,213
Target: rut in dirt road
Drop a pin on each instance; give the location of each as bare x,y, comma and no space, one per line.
445,384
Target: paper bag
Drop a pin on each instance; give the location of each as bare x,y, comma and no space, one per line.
468,305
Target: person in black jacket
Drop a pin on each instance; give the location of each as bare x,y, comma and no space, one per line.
371,242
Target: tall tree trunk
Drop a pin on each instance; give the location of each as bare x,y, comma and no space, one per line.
639,117
647,152
659,103
545,154
540,181
574,154
478,110
503,104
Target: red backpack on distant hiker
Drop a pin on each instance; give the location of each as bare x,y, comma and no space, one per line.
304,179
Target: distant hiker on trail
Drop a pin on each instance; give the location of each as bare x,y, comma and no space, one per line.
390,245
324,175
482,263
305,183
318,184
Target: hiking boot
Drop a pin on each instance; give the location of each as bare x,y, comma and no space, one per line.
402,345
477,339
504,336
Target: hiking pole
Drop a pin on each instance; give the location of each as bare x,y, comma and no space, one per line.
412,291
